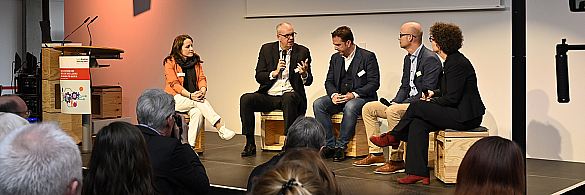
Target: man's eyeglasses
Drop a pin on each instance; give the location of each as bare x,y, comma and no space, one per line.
406,34
431,39
25,112
288,36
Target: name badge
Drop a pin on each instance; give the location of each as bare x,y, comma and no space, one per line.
181,74
361,73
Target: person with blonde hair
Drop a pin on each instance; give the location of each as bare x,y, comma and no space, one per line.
300,172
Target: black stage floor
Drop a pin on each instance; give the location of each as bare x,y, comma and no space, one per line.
228,172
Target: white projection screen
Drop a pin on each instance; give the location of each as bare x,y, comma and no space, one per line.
282,8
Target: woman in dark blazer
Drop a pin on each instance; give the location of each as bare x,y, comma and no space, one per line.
455,105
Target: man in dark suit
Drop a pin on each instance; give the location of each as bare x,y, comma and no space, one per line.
421,69
177,169
352,80
282,71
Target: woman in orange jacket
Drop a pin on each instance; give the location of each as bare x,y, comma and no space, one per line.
186,82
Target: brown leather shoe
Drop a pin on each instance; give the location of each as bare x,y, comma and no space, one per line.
370,160
391,167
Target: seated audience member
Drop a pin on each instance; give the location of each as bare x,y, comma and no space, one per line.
14,104
305,132
177,169
455,105
119,163
493,165
10,122
39,159
301,171
187,83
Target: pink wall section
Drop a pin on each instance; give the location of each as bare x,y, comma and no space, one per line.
146,39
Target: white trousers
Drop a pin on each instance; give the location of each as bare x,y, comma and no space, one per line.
197,111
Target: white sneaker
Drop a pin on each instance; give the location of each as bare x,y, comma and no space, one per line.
225,133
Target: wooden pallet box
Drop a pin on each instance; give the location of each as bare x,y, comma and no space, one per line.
106,102
50,63
70,123
51,96
451,147
272,130
200,141
358,145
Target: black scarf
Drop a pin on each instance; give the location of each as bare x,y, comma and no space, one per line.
188,66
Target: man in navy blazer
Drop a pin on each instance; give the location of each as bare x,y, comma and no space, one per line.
352,80
283,71
421,69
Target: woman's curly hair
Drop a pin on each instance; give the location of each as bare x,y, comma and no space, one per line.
447,36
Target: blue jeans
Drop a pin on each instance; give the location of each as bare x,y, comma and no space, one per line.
324,107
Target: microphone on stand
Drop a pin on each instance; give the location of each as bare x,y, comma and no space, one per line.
90,41
63,43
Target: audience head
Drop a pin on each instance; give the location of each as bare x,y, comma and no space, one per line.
446,37
39,158
10,122
300,171
493,165
154,109
305,132
410,36
14,104
119,162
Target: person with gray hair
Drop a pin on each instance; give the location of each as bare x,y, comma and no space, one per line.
177,168
305,132
9,122
40,159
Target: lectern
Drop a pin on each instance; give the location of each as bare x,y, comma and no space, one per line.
75,82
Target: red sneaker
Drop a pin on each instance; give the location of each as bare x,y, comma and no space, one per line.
385,140
414,178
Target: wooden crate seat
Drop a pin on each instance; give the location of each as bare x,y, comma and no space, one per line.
200,141
272,130
358,145
451,146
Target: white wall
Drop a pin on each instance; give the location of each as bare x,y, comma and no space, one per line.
10,38
554,131
229,45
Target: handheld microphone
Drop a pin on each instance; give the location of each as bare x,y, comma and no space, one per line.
385,102
283,58
90,40
63,43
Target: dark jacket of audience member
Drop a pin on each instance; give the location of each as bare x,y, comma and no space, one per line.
301,171
493,165
119,163
177,169
305,132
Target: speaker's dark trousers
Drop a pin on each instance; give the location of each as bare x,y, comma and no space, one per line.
421,118
289,103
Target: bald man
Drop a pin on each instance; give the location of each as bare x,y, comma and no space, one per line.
14,104
421,69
